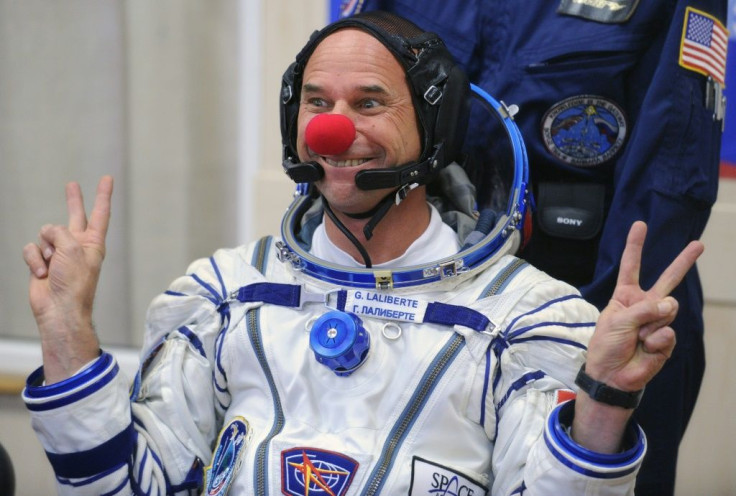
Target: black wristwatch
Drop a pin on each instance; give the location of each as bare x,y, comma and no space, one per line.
606,394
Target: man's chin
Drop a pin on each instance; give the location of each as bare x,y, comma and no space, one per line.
350,207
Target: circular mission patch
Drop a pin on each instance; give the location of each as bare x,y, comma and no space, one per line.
584,130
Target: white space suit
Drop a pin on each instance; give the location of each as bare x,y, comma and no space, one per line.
434,409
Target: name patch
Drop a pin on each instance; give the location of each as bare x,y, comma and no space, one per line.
607,11
429,478
385,306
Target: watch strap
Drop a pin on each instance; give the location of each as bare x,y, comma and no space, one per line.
604,393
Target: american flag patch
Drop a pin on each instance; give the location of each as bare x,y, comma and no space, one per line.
704,45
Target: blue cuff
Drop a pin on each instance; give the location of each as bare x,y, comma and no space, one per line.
585,461
75,388
105,457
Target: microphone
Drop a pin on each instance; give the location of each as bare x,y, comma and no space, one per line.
332,134
329,134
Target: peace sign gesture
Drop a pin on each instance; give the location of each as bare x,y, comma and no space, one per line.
65,267
632,340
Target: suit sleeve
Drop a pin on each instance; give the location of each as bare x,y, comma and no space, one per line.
103,436
537,357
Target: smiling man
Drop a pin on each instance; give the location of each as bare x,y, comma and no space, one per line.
376,348
351,73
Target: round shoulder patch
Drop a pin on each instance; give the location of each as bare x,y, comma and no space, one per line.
584,130
227,457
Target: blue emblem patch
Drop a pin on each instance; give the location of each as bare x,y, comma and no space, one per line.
584,130
227,457
310,471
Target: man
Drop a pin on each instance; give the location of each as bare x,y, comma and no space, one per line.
621,109
414,377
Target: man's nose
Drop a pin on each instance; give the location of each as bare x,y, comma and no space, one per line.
330,134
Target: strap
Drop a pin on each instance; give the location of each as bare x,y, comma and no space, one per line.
276,294
361,302
604,393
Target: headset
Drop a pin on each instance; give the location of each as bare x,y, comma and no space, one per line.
495,159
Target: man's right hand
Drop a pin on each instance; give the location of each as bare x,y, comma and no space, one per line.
65,267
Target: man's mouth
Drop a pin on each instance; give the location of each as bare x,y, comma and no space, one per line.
346,163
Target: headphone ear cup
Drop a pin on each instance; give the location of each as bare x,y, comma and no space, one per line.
289,111
452,116
443,121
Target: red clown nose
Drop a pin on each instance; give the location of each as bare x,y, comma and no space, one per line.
329,134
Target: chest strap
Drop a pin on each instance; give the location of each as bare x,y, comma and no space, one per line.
369,303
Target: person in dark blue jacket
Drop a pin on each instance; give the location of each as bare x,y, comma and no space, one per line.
621,108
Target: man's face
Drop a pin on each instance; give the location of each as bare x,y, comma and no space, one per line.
352,73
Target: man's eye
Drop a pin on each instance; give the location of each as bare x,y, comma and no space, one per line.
369,103
316,102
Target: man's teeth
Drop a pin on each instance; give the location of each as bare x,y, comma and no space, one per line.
346,163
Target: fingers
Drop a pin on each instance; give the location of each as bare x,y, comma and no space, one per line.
38,256
660,342
75,208
100,216
642,318
653,319
648,311
35,261
44,243
671,277
667,309
628,273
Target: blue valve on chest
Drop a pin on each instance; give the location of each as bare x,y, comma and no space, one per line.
340,342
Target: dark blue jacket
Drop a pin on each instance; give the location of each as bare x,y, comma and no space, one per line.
620,126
